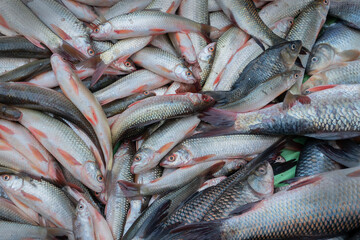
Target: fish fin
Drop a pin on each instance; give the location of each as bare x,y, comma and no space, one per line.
204,158
305,181
349,55
283,167
165,148
320,88
215,168
60,32
290,100
258,42
354,174
101,19
100,69
30,196
130,189
69,52
152,221
346,157
68,157
35,42
58,232
219,117
206,30
134,103
219,96
198,231
245,208
6,130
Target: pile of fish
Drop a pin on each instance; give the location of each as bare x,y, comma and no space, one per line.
179,119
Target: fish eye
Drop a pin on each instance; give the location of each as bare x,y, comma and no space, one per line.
91,52
293,46
146,93
211,49
291,22
262,170
137,159
128,64
97,194
314,59
171,158
296,75
80,207
6,177
206,98
326,2
96,30
307,92
188,73
100,178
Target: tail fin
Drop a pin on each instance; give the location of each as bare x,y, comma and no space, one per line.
69,52
200,231
219,96
208,30
219,117
95,62
130,189
348,155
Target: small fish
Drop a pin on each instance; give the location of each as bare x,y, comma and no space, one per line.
83,224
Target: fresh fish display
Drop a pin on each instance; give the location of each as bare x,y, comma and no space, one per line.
179,119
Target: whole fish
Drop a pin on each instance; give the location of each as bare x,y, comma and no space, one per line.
41,196
219,20
163,64
305,202
172,181
238,11
62,22
145,23
117,205
9,64
15,15
164,43
118,106
12,230
158,108
244,55
257,185
9,113
312,161
83,224
162,141
277,59
67,147
82,11
85,101
341,73
34,97
197,150
20,47
264,93
347,11
136,82
26,71
338,43
226,46
313,120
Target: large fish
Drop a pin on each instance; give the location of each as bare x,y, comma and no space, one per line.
347,11
302,206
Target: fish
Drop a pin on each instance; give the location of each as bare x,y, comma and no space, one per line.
341,73
313,161
211,182
162,141
9,64
136,82
9,113
10,212
164,43
82,11
41,196
219,20
226,46
168,6
141,112
248,222
63,23
337,44
213,6
72,153
230,166
183,46
99,3
20,47
205,60
117,205
203,149
172,181
83,224
163,64
237,11
26,71
17,16
302,119
85,101
347,11
143,24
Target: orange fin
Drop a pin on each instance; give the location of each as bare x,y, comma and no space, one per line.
37,153
164,68
70,159
305,182
3,22
165,148
74,85
320,88
30,196
157,30
139,89
94,115
6,146
37,133
61,32
172,8
123,31
354,174
204,158
35,42
6,129
130,189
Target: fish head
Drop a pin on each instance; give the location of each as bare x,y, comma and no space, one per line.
282,26
320,58
178,158
184,73
82,209
127,66
92,177
84,46
59,64
290,52
207,53
101,196
11,182
102,31
142,160
291,77
262,179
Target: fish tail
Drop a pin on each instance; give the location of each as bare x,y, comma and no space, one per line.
219,96
200,231
56,174
219,117
95,62
69,52
208,30
130,189
348,154
58,232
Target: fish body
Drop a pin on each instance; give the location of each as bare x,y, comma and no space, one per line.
20,47
82,11
9,64
347,11
9,113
